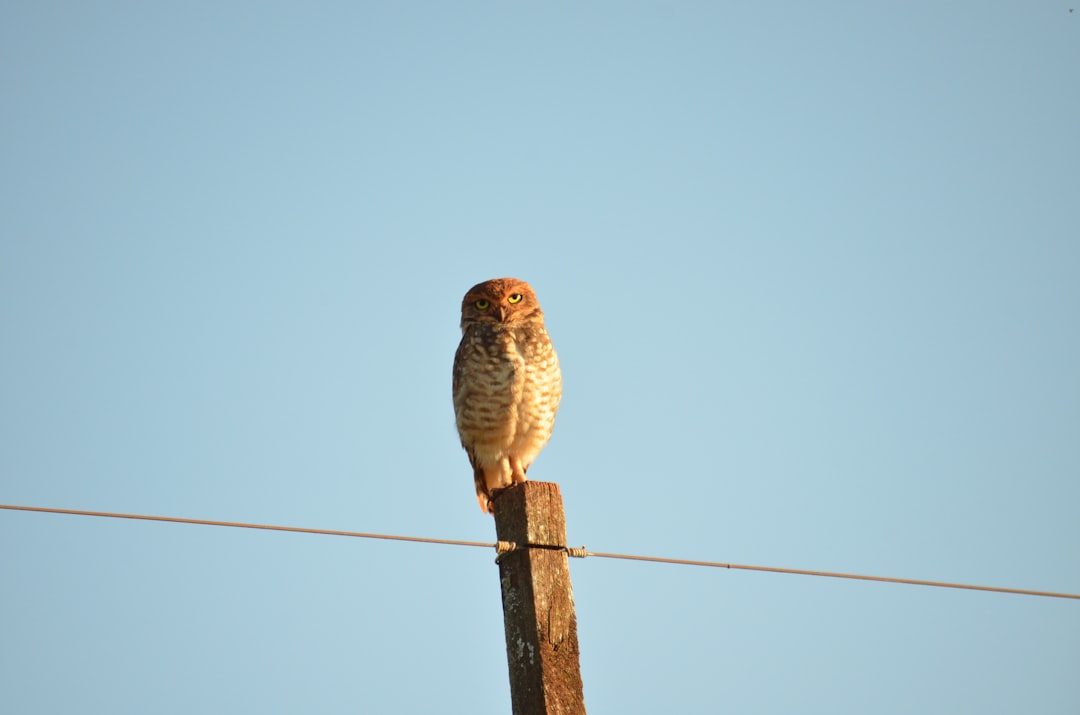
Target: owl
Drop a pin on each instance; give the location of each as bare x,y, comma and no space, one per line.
507,384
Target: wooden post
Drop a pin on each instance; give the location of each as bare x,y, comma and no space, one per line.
538,603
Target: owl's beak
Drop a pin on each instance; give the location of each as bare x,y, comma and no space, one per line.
501,312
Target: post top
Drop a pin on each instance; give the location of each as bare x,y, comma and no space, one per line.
531,513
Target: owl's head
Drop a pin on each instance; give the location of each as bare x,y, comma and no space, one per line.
500,301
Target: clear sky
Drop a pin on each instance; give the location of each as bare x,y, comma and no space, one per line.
812,269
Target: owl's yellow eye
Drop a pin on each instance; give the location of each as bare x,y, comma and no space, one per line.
482,304
514,298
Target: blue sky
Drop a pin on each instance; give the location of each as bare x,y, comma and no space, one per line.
811,270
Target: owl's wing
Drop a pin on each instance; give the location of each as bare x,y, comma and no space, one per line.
457,388
457,371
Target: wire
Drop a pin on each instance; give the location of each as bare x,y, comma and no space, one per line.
831,574
239,525
503,547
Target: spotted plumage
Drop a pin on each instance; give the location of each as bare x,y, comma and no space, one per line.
507,384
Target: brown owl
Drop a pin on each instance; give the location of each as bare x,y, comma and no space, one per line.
507,383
